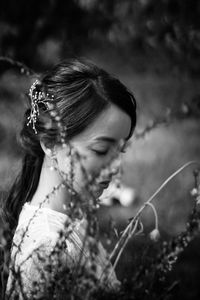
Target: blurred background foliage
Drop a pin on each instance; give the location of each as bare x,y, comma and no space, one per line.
153,46
40,32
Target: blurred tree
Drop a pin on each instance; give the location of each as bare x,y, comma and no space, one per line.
163,27
38,32
30,28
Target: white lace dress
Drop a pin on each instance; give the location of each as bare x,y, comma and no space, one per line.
34,243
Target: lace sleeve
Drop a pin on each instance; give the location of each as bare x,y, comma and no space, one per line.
37,273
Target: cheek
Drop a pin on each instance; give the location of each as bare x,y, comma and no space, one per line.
97,166
90,164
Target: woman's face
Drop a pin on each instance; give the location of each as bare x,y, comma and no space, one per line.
99,147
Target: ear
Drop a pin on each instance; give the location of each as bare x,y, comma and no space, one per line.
50,152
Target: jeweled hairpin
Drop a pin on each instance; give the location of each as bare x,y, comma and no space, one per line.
36,98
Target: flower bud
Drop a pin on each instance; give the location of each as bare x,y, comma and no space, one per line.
155,235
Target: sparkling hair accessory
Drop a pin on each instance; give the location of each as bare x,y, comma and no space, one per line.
37,96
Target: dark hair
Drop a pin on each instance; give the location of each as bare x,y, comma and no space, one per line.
81,92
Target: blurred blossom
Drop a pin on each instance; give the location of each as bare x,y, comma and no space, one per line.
2,239
124,194
87,4
198,200
49,51
194,192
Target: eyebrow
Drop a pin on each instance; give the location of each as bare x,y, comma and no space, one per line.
108,139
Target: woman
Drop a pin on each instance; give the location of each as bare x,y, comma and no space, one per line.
79,122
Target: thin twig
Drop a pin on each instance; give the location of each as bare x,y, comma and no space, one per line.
125,234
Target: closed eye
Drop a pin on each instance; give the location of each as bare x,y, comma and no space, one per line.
105,152
121,149
100,152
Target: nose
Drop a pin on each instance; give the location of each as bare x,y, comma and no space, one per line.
116,166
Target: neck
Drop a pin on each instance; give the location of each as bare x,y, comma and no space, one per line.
49,180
